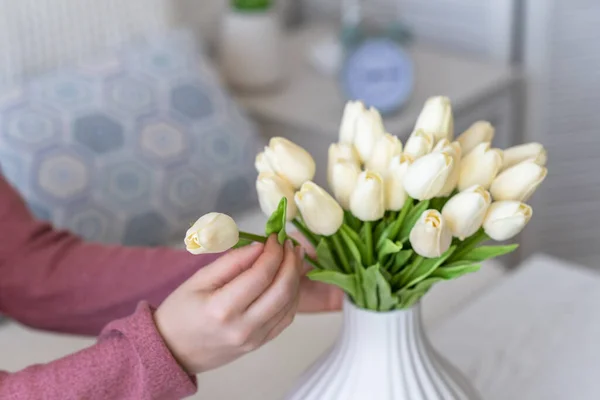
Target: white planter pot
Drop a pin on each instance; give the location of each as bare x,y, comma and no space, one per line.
382,356
250,50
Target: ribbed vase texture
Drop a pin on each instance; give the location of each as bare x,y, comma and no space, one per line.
382,356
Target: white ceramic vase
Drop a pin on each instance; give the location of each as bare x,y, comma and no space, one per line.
382,356
250,49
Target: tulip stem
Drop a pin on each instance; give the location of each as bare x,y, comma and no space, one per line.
368,228
252,237
306,232
341,253
468,245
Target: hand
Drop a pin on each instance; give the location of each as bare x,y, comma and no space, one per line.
233,306
316,296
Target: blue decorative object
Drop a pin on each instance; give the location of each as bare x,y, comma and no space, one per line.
380,73
130,148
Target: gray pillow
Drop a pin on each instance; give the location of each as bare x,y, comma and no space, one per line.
132,147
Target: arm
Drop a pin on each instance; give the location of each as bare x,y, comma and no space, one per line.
53,280
130,361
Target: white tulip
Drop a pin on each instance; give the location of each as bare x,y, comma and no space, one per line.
431,236
427,176
352,111
528,151
395,194
436,118
320,212
419,143
387,146
367,202
465,211
262,164
505,219
290,161
480,167
344,175
271,188
212,233
518,182
340,152
369,128
479,132
453,150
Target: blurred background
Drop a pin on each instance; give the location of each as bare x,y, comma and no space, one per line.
123,121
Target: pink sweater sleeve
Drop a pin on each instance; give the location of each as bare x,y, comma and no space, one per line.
130,361
53,280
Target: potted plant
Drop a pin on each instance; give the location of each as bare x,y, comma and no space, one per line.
401,219
249,45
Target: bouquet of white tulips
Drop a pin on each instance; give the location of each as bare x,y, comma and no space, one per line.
399,218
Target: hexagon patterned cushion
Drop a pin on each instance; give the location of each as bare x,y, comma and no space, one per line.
131,148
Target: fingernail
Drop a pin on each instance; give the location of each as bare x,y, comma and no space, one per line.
289,245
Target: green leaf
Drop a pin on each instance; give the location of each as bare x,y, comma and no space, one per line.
400,259
410,296
353,222
387,300
486,252
359,300
277,220
455,270
412,218
243,243
325,256
379,229
345,282
377,289
424,269
388,247
351,238
369,285
469,244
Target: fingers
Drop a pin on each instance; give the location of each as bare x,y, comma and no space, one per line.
283,290
243,290
227,267
284,322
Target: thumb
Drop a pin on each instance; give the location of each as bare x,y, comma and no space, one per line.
226,268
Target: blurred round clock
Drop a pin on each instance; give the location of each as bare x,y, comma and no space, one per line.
380,73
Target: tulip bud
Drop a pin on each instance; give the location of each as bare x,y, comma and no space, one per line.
340,152
453,150
465,211
369,128
321,213
395,194
431,236
528,151
290,161
436,118
344,175
352,111
386,147
479,132
479,167
427,176
419,143
518,182
261,163
505,219
271,188
367,201
212,233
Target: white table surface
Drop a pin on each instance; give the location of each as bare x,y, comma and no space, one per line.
535,336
